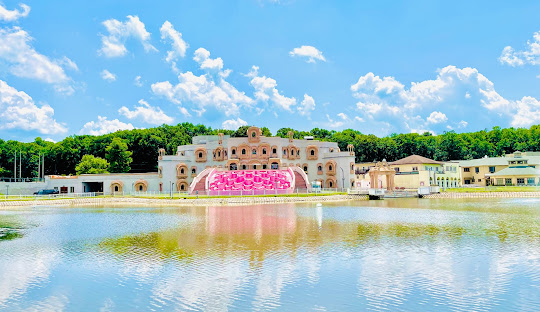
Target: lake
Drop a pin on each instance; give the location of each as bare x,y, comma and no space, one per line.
394,255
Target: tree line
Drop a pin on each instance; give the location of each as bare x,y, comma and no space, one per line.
143,144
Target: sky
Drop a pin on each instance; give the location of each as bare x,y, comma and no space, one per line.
380,67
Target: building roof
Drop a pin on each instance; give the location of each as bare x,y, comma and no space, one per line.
497,161
517,171
415,159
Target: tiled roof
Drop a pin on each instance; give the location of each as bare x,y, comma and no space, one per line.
517,171
415,159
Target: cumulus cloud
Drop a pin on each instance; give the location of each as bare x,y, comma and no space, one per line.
413,108
266,91
13,15
145,112
113,44
104,126
202,56
233,124
332,123
306,106
311,54
25,62
107,76
137,81
437,117
179,46
203,92
530,55
18,111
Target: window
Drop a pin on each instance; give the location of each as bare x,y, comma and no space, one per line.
530,181
396,169
520,162
274,166
116,188
274,151
284,152
243,167
264,151
520,181
182,171
508,181
319,168
140,188
512,162
254,152
330,168
466,170
243,151
305,168
182,187
312,152
200,154
467,181
264,166
193,170
298,153
414,168
500,182
233,166
492,169
253,134
233,151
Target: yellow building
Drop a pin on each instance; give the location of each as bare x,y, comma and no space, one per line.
482,171
416,171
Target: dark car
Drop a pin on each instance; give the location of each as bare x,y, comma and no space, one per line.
46,192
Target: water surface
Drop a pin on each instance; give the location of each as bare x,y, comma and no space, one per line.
395,255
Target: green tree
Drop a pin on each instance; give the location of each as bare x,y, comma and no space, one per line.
118,156
92,165
241,132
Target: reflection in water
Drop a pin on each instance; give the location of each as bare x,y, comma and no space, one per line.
385,255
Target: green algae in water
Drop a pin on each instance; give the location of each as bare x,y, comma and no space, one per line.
10,230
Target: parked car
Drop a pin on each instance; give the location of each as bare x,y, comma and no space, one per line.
46,192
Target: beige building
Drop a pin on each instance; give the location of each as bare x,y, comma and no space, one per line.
416,171
488,170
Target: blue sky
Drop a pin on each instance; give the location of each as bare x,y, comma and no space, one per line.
379,67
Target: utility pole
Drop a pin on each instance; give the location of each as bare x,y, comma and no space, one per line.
20,165
43,166
15,166
39,167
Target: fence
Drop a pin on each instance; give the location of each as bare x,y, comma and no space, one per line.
50,196
13,180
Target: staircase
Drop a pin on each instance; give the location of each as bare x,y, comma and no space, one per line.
300,182
200,186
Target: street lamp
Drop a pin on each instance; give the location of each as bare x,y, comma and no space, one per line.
7,190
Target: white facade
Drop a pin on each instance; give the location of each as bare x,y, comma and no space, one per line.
322,161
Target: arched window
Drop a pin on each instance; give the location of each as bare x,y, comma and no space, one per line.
274,166
319,168
331,184
219,154
182,187
182,171
312,152
243,167
193,170
305,168
243,151
264,151
253,134
264,166
116,188
140,188
254,152
330,168
298,153
200,154
233,151
254,167
274,151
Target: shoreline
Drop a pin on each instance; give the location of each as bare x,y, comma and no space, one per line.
484,195
128,201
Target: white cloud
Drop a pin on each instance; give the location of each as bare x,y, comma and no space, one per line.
178,44
233,124
265,90
359,119
383,99
18,111
527,112
103,126
203,92
334,123
306,106
107,76
463,124
24,61
137,81
311,53
437,117
531,54
149,114
50,140
13,15
202,56
343,116
113,44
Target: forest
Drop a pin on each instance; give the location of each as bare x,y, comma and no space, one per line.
62,157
